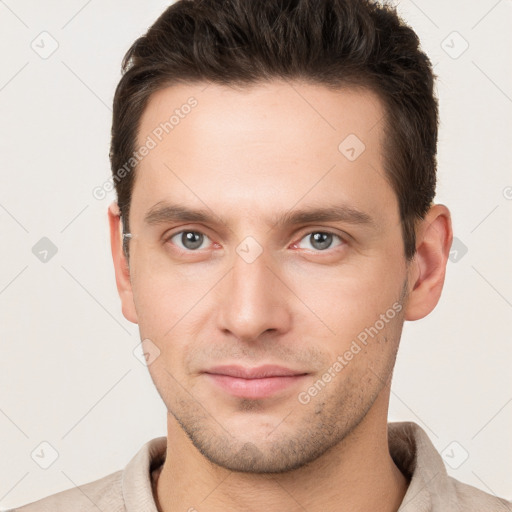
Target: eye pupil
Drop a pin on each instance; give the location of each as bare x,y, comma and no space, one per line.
321,240
191,239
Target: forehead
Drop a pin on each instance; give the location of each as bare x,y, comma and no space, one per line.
272,144
265,106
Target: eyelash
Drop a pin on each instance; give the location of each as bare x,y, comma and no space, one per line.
325,232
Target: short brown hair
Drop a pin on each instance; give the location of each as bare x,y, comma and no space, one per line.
335,43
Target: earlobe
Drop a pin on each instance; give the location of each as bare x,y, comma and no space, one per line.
121,267
428,269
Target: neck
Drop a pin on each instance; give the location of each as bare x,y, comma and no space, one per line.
357,474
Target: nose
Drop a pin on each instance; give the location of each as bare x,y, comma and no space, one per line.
253,300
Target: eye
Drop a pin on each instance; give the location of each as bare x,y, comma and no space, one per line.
192,241
320,240
189,240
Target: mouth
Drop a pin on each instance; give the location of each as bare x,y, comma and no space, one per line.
254,383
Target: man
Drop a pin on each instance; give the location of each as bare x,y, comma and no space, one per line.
274,164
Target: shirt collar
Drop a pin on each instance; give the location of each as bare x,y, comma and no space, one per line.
136,484
417,458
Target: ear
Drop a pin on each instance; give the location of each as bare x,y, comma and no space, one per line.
121,267
427,270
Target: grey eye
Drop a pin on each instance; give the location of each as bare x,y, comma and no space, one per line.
189,240
320,240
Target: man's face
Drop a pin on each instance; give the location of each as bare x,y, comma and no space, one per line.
242,288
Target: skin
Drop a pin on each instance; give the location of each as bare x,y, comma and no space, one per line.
248,155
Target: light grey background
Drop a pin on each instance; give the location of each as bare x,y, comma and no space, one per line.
68,373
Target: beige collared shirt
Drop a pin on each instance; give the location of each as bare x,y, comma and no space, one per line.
430,488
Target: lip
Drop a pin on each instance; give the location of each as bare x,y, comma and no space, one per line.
259,372
260,382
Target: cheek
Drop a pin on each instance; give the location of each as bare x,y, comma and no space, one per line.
351,298
172,299
168,300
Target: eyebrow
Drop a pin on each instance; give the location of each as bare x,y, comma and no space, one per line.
164,212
